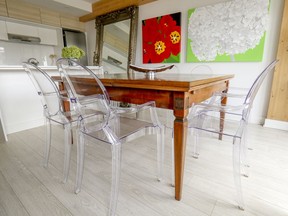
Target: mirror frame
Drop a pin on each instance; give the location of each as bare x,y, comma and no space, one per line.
131,13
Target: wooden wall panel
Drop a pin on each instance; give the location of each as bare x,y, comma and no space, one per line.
20,10
278,105
49,17
3,8
71,22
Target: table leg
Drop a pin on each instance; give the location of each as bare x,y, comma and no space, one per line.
180,137
181,110
222,114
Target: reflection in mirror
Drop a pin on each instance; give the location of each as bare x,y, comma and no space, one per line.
116,40
116,46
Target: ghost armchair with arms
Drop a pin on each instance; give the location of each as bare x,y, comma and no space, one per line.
232,123
108,125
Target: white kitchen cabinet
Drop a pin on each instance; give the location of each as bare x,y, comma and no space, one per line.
22,29
3,31
48,36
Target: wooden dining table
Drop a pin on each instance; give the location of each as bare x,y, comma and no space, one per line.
177,92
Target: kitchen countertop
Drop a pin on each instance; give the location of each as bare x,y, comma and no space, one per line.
19,68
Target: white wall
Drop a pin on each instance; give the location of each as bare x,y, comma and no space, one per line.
245,72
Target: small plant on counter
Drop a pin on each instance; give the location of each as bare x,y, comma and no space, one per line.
72,52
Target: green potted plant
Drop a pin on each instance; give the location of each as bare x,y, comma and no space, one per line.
72,52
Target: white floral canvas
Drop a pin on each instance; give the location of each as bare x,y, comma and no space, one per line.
229,31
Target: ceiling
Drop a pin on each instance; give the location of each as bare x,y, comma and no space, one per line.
73,7
80,8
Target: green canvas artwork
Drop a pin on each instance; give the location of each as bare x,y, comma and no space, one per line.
227,32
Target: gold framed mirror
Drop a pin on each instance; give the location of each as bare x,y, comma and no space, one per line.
116,35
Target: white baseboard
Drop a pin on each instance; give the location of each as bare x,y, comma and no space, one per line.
276,124
13,128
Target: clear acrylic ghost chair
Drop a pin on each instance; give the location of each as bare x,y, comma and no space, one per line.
52,102
107,125
231,121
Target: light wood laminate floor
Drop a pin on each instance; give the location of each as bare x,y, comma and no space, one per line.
26,188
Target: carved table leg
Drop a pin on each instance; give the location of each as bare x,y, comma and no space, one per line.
180,136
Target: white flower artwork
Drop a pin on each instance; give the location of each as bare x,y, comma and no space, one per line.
227,28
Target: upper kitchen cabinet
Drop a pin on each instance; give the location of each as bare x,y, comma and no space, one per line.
49,17
23,11
3,8
21,29
48,36
3,31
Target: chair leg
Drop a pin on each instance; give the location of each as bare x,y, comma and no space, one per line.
172,161
116,170
160,152
236,171
244,154
200,121
67,152
195,153
80,161
48,142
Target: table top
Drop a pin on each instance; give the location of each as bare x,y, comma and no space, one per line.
163,81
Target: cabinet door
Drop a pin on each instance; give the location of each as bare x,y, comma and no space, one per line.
21,29
3,31
48,36
19,9
49,17
3,8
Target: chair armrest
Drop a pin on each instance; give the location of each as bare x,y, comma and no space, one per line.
236,92
217,108
232,95
147,104
135,108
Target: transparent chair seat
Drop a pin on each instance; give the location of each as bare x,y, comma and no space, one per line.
129,130
111,124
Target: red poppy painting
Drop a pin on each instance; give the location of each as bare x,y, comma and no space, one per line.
162,39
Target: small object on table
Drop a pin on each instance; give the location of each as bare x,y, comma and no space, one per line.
150,72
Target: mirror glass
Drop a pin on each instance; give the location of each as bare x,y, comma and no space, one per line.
116,46
116,40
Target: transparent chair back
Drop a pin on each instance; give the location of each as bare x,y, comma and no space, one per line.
52,102
46,88
202,69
